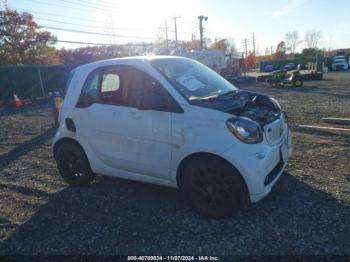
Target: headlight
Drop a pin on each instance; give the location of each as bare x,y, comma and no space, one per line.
245,130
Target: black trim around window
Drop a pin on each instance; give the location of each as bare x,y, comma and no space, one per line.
171,104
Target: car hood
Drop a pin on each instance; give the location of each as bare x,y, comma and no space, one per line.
259,108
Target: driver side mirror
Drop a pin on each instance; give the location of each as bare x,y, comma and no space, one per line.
150,101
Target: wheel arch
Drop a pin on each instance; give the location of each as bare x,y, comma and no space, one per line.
189,158
67,140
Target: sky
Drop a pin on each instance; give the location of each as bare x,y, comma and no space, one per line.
137,20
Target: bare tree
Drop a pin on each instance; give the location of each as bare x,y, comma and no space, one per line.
231,47
330,43
5,4
313,38
292,41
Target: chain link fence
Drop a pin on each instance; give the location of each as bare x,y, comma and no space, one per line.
32,82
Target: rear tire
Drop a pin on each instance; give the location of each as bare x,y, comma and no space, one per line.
73,165
212,187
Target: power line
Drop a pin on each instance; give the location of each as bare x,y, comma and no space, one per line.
87,5
64,6
100,4
62,16
78,42
103,2
77,24
107,2
92,43
93,33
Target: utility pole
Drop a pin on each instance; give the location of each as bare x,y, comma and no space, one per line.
254,43
110,29
175,25
243,65
245,43
166,36
201,17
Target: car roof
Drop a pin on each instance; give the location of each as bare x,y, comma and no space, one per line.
128,60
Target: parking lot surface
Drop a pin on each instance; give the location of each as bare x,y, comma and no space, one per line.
307,212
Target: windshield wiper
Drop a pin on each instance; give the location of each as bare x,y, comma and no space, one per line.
207,98
227,95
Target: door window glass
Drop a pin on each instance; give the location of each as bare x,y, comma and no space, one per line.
110,82
113,81
91,85
142,84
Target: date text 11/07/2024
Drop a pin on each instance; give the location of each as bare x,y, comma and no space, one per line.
173,258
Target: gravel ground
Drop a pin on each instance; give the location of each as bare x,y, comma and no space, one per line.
307,213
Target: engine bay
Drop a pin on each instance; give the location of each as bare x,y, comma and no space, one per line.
259,108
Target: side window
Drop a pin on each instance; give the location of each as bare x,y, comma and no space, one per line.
91,85
114,82
110,82
71,74
143,84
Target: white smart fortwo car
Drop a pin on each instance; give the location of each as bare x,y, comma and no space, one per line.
174,122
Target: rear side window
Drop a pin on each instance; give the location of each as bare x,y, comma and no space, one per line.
91,85
113,81
71,74
110,82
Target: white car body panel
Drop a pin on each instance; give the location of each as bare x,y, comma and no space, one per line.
148,146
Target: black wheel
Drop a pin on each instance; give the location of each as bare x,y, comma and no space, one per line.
212,187
298,83
73,165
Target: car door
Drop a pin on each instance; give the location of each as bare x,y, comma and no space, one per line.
147,133
123,137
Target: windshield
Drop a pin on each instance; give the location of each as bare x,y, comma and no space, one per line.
193,80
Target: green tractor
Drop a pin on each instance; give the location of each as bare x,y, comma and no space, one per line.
280,78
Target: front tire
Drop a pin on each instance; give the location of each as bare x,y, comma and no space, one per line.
298,83
212,187
73,165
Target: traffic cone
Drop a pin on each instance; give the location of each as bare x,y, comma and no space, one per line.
18,102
